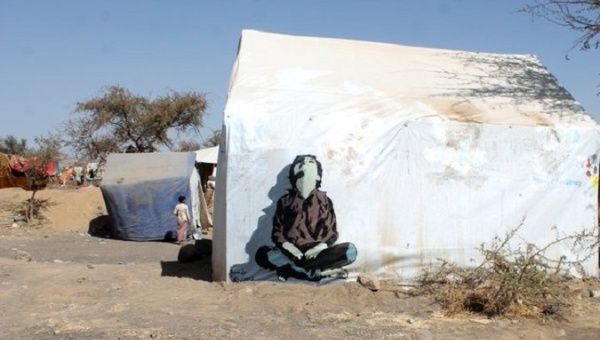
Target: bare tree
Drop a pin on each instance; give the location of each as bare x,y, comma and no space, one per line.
119,120
189,145
213,140
11,145
579,15
39,158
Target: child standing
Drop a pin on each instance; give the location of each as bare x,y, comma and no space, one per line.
183,218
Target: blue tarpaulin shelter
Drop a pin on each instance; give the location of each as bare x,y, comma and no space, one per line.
141,189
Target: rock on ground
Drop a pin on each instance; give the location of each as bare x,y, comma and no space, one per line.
369,281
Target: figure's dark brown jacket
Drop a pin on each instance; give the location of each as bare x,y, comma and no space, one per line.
304,222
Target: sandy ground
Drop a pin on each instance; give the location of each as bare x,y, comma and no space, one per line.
59,282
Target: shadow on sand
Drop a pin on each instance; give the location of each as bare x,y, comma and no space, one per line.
100,227
193,261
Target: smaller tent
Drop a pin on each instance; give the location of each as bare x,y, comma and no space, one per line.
141,189
206,163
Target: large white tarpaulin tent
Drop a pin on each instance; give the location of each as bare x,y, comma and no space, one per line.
425,153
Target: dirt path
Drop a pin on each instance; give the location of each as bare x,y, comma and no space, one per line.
83,248
61,283
132,301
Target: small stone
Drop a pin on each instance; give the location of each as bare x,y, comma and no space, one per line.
90,266
15,225
21,255
595,293
409,321
481,321
369,281
550,309
58,261
562,333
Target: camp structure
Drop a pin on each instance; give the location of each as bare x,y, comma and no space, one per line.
141,189
208,155
14,168
424,154
10,178
206,164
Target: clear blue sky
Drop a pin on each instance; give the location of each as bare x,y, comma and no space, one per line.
55,53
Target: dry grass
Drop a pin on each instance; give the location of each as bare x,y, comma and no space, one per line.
510,281
32,209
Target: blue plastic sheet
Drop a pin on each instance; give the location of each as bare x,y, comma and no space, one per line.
141,190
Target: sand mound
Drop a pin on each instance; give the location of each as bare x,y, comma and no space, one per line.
70,209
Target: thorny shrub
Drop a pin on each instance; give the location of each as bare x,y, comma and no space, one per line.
32,209
510,280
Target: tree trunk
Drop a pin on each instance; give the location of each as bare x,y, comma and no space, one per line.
31,207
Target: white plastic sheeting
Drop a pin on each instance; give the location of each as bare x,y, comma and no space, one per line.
208,155
426,153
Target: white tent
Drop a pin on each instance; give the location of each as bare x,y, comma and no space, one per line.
426,153
207,155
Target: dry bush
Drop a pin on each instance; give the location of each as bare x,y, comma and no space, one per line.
32,209
510,281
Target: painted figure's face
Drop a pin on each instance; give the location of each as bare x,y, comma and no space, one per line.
307,176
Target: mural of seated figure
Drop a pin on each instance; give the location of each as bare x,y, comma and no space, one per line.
305,230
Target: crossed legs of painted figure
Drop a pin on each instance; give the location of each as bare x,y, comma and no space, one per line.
328,263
